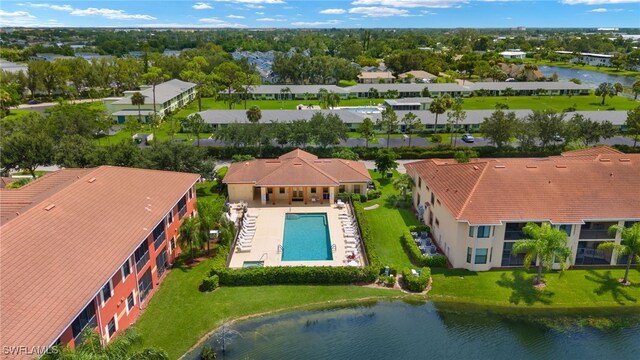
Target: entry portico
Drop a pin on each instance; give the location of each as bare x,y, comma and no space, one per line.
297,176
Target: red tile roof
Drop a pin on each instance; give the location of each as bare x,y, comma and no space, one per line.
563,189
78,228
297,168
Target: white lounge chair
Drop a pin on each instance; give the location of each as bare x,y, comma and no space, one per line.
247,232
351,240
244,248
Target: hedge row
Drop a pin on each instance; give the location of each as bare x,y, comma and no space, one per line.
365,232
294,275
416,256
416,283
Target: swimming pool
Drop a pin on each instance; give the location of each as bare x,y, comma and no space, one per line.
363,109
306,237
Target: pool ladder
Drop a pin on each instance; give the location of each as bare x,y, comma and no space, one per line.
333,248
279,249
264,257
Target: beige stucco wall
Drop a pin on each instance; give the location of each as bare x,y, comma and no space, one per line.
240,192
349,187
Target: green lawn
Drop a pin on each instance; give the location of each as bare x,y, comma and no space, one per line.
557,103
211,104
387,225
179,315
16,113
512,288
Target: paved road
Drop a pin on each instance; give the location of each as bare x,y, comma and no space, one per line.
44,106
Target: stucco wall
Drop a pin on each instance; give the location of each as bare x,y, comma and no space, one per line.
240,192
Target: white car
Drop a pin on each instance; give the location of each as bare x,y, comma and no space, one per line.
468,138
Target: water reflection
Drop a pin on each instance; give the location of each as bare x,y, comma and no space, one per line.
409,330
591,78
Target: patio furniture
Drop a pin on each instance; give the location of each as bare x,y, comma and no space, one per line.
339,204
243,248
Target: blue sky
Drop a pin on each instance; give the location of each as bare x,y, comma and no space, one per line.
322,14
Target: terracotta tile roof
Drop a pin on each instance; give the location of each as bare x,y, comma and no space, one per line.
594,151
77,232
297,168
562,189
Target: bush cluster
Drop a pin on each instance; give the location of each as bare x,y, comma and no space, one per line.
388,281
416,283
416,256
293,275
419,228
374,194
210,283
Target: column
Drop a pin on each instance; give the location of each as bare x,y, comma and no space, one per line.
290,194
304,194
263,195
331,194
274,190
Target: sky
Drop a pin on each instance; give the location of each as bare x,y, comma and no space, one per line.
323,14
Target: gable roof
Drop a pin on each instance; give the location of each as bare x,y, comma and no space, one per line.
562,189
164,92
80,226
297,168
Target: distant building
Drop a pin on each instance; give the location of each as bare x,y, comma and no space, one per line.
385,77
589,58
513,54
169,96
417,76
419,103
86,248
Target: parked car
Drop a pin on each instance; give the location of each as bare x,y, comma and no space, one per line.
558,138
468,138
34,102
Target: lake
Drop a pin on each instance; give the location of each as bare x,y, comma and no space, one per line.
400,330
591,78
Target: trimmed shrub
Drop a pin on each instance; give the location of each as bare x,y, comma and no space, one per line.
390,280
416,283
419,228
293,275
365,231
374,194
356,197
210,283
416,256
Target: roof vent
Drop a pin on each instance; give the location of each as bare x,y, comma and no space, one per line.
605,160
475,167
624,160
91,180
500,166
50,206
532,167
561,166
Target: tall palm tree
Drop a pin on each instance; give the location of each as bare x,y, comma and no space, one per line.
137,99
196,126
208,215
545,244
333,100
630,245
120,347
190,235
404,183
154,77
438,106
285,90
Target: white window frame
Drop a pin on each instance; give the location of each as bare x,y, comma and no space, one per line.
170,217
134,301
102,300
122,269
106,327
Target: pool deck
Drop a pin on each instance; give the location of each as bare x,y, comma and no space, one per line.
270,233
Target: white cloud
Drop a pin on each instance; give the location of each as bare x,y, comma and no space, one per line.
202,6
270,19
176,25
211,20
16,18
253,1
333,11
412,3
598,10
375,11
110,14
252,6
235,17
316,23
598,2
259,13
603,10
53,7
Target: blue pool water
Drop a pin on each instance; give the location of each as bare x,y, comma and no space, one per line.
306,237
363,109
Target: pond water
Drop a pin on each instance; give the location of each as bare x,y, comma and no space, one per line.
399,330
591,78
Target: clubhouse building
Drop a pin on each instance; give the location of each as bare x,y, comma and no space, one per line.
477,210
297,176
86,248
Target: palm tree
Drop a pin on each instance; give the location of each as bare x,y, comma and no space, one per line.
438,106
208,215
196,126
254,114
333,100
545,244
630,245
190,235
120,347
283,91
154,76
605,89
137,99
404,183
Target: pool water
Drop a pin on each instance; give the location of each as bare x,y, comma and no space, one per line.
306,237
364,109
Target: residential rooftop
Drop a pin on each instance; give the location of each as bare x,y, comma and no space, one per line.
164,92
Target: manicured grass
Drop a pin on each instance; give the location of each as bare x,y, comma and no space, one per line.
557,103
179,315
16,113
572,289
211,104
388,224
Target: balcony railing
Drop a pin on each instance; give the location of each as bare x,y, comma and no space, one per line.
144,290
514,235
159,239
596,234
92,324
182,211
142,261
